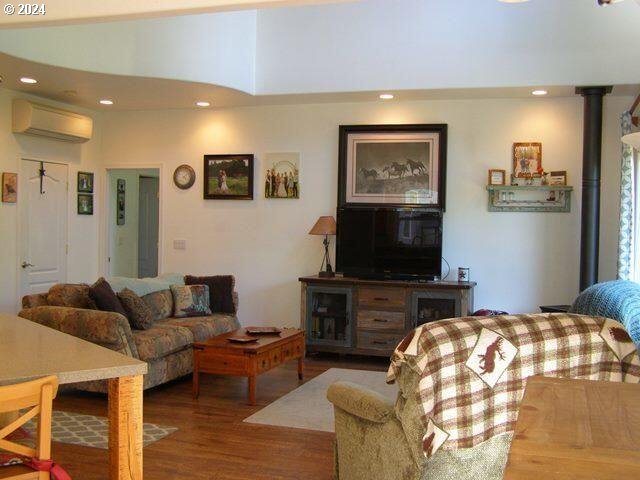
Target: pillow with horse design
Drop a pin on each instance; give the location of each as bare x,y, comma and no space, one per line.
190,300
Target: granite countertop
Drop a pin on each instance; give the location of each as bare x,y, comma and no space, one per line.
29,350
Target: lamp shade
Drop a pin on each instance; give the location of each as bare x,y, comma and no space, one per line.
324,226
632,139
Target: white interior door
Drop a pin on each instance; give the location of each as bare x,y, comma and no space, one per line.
43,226
148,220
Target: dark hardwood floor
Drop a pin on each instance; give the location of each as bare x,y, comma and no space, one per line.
213,442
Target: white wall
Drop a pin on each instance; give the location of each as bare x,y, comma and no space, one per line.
423,44
520,260
358,46
83,229
210,48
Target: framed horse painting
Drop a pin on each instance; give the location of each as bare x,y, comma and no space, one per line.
401,165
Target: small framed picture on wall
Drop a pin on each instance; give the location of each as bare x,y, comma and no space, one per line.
120,201
85,204
558,178
497,177
9,187
85,182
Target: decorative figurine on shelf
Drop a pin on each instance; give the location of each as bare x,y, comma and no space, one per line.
545,178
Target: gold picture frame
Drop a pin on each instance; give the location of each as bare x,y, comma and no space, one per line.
527,159
558,177
497,177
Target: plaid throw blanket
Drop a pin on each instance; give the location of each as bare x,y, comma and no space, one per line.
472,371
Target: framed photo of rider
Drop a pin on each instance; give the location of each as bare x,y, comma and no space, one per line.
402,165
228,177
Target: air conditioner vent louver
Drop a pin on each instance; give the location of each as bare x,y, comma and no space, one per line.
45,121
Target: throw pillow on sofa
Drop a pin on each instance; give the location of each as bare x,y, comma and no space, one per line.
70,295
160,303
190,300
105,298
220,291
138,312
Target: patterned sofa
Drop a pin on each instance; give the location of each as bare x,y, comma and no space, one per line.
166,346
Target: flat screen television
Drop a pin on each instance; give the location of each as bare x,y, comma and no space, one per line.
388,243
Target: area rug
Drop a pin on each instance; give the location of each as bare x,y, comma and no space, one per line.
90,431
307,406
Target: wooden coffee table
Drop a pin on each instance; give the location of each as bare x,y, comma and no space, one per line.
220,356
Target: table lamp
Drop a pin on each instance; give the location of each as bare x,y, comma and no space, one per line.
325,226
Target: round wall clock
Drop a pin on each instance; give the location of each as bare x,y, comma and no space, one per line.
184,177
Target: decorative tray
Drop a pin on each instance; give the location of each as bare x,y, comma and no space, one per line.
262,330
242,339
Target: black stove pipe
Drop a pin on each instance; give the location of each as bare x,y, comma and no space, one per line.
591,162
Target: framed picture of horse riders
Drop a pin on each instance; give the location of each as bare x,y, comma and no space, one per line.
402,165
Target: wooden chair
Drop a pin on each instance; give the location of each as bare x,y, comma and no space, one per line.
37,396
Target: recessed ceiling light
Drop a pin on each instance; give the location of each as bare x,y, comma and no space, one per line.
203,104
28,80
386,96
539,93
513,1
106,101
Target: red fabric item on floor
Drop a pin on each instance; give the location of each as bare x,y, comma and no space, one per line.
56,471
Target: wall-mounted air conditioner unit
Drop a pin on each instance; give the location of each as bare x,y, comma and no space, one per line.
45,121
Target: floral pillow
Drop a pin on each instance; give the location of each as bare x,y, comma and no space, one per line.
160,303
139,314
190,300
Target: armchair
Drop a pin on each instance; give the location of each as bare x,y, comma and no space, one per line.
461,382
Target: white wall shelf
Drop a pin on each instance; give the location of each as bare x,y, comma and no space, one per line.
529,198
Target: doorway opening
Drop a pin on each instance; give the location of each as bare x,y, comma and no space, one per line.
133,221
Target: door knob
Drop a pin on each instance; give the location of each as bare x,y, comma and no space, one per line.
27,264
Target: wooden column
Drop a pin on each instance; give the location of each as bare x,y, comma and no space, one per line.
591,160
125,428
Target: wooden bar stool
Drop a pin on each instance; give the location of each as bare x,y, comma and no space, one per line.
36,396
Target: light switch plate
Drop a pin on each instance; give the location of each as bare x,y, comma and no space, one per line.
179,244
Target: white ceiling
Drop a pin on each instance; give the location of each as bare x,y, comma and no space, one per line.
65,12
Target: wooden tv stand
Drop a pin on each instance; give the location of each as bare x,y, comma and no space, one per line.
370,317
